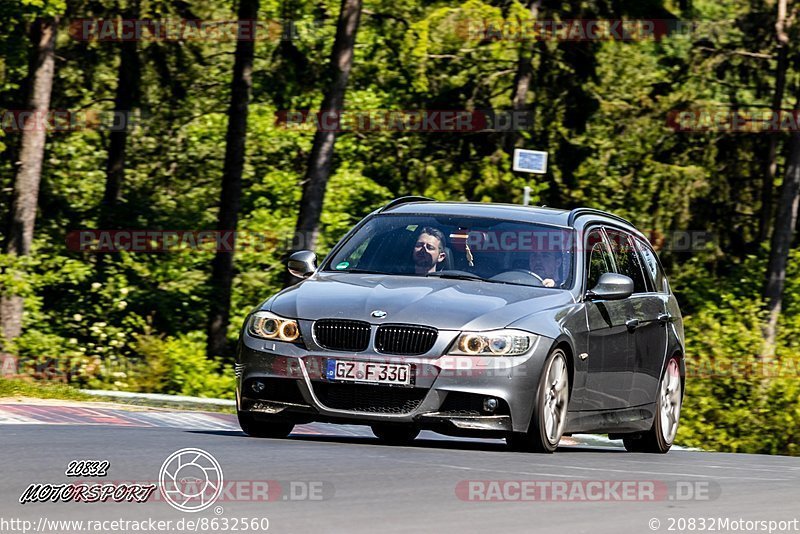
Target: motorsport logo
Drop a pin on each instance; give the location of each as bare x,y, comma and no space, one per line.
83,492
191,480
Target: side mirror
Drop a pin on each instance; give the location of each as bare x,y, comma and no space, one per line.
611,286
302,263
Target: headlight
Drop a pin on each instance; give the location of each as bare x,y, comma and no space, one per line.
269,326
495,343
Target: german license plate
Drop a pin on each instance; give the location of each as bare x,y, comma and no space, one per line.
370,372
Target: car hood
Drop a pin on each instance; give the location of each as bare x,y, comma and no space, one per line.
442,303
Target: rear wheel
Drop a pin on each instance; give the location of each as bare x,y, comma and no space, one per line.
263,429
668,411
395,434
549,410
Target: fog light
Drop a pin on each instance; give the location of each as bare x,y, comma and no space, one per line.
489,404
258,386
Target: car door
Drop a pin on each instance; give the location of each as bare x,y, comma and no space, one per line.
651,334
610,346
644,325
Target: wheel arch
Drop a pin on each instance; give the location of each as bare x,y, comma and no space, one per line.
565,345
678,353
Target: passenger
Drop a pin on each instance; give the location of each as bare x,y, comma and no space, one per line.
428,250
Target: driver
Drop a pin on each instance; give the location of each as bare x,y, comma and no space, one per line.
548,266
428,250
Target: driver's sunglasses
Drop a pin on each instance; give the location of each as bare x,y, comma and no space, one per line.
426,246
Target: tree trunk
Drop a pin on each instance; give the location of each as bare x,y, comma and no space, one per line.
785,222
770,164
321,158
230,197
522,80
26,183
126,97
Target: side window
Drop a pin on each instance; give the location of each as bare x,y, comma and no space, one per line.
626,258
599,258
652,267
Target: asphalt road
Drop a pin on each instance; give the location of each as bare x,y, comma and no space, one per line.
359,485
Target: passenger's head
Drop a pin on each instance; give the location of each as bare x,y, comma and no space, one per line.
428,250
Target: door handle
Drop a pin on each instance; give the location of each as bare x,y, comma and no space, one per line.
632,324
664,318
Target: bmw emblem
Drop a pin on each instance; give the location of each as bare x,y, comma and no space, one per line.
380,314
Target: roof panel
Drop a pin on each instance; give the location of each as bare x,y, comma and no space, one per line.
517,212
481,209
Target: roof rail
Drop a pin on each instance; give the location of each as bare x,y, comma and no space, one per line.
405,200
577,212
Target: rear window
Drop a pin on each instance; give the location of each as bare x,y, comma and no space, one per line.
626,258
600,261
653,267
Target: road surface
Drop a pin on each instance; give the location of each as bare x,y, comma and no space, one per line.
326,478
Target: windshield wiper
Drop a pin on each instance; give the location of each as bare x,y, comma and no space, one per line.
464,275
359,271
458,275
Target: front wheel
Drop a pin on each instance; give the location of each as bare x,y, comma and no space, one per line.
395,434
549,410
263,429
668,411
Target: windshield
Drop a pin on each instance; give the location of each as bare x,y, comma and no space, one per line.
470,248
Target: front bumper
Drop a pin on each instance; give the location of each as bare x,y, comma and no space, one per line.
446,396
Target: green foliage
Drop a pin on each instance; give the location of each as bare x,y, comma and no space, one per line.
26,388
734,402
179,366
134,321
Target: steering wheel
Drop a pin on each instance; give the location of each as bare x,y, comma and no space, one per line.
514,278
533,274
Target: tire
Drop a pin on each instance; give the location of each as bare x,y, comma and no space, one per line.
549,409
395,434
658,440
263,429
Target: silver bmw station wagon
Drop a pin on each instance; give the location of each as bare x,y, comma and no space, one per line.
472,319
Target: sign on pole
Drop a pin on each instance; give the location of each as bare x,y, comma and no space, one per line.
526,195
532,161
